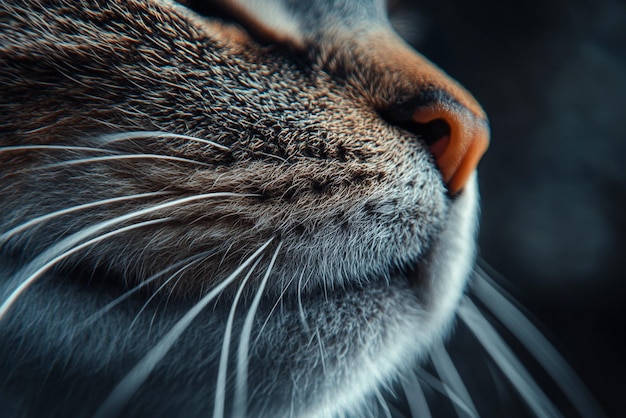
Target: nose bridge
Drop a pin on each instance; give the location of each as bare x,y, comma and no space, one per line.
354,38
423,93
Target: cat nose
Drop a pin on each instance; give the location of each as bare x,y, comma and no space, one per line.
438,110
456,134
459,148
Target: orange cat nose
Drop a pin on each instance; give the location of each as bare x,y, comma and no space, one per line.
430,104
458,152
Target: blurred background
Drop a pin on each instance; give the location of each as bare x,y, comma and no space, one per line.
551,75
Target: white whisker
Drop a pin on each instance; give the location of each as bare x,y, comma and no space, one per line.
220,391
123,157
383,404
303,321
187,261
55,147
280,297
444,389
519,325
241,384
449,374
418,405
507,361
9,301
30,271
156,292
157,134
26,225
127,387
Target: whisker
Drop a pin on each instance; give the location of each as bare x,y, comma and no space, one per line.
127,387
383,404
34,268
241,384
506,360
123,157
280,297
444,389
220,391
414,394
196,258
303,321
156,292
55,147
126,136
9,301
449,374
26,225
523,329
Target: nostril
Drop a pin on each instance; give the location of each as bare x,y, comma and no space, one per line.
455,136
431,132
434,133
459,149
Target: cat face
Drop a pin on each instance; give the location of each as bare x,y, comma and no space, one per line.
288,217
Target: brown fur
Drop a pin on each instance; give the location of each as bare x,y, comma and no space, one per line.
299,158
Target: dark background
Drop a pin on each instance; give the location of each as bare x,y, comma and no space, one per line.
551,75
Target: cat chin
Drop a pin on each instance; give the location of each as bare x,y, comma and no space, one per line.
451,259
414,324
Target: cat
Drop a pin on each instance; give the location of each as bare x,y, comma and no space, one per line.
201,218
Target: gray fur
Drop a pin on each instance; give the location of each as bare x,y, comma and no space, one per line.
373,247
